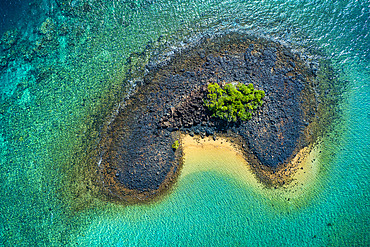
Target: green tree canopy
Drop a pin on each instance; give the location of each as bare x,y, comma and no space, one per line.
231,102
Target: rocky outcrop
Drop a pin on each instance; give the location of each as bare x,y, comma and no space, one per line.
137,161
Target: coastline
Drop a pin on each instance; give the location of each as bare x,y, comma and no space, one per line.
223,156
136,161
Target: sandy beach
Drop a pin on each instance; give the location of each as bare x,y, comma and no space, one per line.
222,156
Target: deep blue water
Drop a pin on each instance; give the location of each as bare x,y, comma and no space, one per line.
45,122
12,11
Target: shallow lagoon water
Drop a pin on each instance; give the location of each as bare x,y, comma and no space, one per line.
46,124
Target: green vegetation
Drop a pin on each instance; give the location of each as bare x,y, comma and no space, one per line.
232,103
175,145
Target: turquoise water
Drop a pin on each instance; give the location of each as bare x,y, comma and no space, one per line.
49,112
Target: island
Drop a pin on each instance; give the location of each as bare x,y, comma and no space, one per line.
140,151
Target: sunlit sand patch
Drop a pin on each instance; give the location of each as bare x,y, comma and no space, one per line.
222,156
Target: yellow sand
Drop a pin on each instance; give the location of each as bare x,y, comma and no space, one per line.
221,156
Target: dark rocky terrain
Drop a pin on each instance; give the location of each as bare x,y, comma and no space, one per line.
137,158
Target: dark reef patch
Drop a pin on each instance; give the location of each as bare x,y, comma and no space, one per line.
137,161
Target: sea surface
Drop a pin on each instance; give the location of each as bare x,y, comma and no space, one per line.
62,76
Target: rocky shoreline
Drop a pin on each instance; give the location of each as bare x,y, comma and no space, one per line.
137,161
